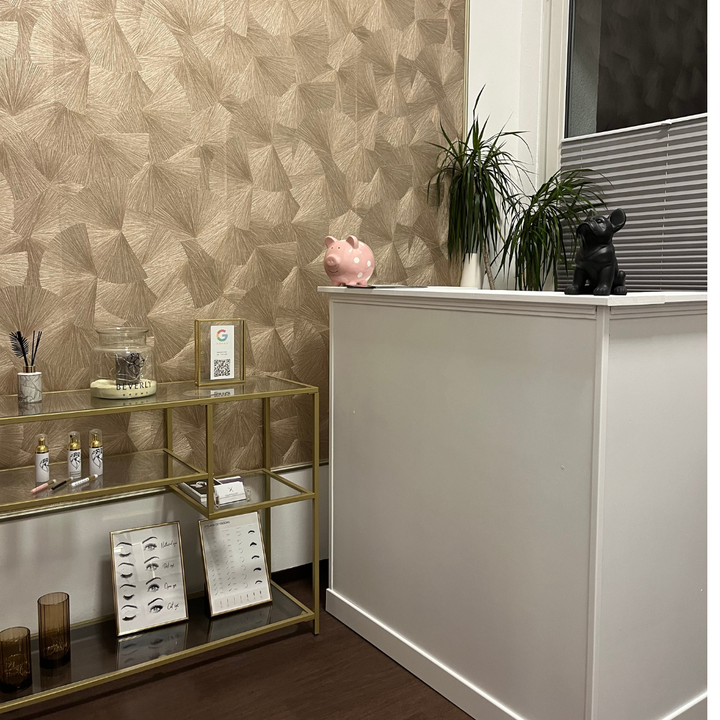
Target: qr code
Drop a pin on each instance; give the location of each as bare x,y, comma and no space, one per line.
221,368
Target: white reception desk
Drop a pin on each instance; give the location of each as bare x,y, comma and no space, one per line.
518,502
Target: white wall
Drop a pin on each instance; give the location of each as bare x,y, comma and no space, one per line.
69,551
517,49
505,56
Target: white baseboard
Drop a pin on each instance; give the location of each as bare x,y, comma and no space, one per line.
696,709
455,688
431,671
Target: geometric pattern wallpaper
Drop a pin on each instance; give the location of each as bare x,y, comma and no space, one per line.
162,160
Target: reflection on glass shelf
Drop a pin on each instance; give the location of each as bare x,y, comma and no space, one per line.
121,473
79,402
97,652
243,621
151,645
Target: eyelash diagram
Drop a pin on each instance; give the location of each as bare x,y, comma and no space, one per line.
127,616
149,546
128,569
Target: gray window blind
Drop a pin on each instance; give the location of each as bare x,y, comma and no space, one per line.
658,174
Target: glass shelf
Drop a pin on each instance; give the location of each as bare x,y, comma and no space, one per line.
97,655
79,403
264,489
121,474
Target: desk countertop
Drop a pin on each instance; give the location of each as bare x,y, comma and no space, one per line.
457,293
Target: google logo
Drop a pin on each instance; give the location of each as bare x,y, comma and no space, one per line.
222,335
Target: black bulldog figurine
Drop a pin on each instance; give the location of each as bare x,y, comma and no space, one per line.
595,262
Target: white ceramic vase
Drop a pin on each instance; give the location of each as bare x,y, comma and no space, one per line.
29,387
471,275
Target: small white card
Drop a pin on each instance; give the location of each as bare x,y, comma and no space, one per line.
222,352
235,568
229,493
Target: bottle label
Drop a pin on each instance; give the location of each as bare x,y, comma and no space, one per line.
96,461
74,463
42,468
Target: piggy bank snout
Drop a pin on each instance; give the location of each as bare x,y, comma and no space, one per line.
332,261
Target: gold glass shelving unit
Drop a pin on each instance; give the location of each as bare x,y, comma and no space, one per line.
97,655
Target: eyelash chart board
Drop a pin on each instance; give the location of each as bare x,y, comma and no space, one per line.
148,577
235,568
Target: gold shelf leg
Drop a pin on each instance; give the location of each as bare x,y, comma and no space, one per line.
168,440
209,462
316,511
267,450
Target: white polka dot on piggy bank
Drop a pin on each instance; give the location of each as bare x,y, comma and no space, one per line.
342,259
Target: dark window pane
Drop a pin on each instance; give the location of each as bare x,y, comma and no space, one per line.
637,62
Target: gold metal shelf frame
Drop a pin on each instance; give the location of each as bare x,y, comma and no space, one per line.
132,472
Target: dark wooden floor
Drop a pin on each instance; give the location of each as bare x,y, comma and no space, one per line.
289,675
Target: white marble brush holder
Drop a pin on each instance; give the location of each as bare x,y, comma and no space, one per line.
29,386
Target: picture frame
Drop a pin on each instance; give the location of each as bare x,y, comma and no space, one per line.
148,577
219,351
233,551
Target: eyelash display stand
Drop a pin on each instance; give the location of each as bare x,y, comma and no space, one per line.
97,654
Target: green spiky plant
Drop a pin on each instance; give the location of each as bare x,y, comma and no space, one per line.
540,223
480,177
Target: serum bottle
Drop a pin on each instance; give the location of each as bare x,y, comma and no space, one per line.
42,462
96,452
74,457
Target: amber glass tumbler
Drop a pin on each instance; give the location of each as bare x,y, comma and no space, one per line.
54,629
15,662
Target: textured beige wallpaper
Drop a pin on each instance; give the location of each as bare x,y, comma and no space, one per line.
162,160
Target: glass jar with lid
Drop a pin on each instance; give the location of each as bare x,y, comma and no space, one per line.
123,364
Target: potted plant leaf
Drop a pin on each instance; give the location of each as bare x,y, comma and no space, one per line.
540,223
479,175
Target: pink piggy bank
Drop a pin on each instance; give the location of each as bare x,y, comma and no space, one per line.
348,262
